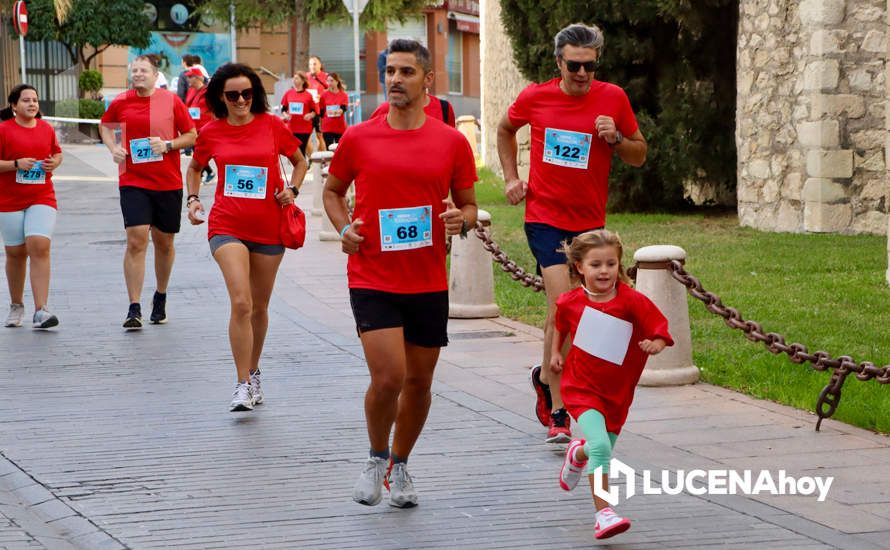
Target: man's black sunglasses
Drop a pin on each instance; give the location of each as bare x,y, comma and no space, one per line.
246,93
575,66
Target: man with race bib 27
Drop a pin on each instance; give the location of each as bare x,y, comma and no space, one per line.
577,124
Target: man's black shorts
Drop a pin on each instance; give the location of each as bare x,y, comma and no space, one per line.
423,317
546,242
160,209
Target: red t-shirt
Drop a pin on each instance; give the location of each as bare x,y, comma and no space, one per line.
589,382
329,105
318,83
412,170
568,184
244,155
297,105
163,115
433,109
17,142
197,99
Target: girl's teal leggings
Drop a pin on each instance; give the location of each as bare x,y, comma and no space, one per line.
599,442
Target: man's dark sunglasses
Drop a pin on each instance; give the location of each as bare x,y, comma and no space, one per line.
247,94
575,66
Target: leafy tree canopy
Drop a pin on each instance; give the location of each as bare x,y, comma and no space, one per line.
91,26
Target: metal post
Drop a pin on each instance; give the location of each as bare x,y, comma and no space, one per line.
355,14
22,52
232,32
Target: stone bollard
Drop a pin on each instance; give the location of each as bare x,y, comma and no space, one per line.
471,280
466,125
673,366
319,162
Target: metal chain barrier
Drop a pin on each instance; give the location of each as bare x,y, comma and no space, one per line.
516,273
842,366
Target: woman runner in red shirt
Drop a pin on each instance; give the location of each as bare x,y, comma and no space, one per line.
245,142
299,109
333,104
29,152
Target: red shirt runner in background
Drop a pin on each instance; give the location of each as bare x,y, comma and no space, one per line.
253,216
163,115
433,109
569,178
297,105
197,99
318,84
333,112
17,142
401,169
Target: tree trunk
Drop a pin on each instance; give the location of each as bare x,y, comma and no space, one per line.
299,38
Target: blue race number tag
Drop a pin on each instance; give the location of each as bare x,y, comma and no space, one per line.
295,108
246,182
566,148
333,111
406,228
35,176
195,113
140,152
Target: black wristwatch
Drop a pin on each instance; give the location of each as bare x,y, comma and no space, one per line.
169,145
295,191
619,137
464,229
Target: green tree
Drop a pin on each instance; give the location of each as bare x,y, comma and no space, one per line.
677,64
90,26
303,13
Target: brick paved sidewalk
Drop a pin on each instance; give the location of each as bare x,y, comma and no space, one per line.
112,439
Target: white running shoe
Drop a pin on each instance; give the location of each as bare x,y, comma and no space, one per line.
44,319
609,524
401,487
368,490
255,387
16,315
571,468
242,398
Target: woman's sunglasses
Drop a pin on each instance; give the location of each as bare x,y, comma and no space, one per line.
575,66
233,96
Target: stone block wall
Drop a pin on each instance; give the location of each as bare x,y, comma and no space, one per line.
501,83
812,128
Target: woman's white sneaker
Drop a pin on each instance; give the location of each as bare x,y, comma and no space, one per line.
256,387
44,319
16,315
242,398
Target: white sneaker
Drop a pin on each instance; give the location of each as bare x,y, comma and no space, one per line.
609,524
44,319
571,467
368,490
16,315
255,387
401,487
242,398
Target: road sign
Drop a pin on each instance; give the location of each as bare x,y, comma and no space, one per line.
361,5
20,17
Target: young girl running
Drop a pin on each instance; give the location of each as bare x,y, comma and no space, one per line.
614,329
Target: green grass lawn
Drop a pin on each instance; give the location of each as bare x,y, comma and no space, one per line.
827,292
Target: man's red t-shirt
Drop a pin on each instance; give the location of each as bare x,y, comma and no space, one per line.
433,109
568,182
196,102
333,112
297,105
411,170
245,155
318,83
589,382
17,142
163,115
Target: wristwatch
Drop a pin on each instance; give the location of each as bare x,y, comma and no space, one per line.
618,138
169,145
295,190
464,229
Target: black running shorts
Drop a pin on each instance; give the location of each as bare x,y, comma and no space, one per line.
160,209
423,317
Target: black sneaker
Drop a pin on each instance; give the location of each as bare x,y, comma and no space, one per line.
209,176
134,317
158,309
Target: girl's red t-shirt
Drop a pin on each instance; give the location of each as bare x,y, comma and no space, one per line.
589,382
18,191
298,104
249,176
333,112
